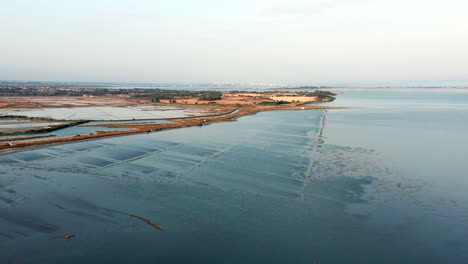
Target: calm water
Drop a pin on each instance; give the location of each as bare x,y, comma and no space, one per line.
383,181
69,131
9,125
106,112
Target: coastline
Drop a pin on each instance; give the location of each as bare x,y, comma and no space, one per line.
227,116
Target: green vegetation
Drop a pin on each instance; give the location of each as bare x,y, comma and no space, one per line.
154,95
274,103
322,96
210,96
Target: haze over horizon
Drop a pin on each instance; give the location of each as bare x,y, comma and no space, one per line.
323,42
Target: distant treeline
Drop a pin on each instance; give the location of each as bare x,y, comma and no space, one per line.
145,94
211,96
154,95
322,96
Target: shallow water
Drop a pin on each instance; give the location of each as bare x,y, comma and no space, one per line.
15,125
85,128
106,112
381,182
133,122
68,132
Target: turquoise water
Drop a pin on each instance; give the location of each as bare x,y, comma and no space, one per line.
383,181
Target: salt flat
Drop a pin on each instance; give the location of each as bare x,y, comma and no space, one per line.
104,112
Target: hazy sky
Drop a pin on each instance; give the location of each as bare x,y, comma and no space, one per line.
276,41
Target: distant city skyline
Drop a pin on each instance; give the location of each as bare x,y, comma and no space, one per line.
316,42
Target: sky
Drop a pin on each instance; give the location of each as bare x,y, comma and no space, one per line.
325,42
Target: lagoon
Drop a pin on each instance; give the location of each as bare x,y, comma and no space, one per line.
383,181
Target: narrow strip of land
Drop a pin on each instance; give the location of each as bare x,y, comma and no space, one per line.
218,106
181,123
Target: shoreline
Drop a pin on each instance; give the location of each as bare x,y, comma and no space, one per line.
230,116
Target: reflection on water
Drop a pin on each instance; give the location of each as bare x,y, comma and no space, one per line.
106,112
361,185
11,125
69,132
133,122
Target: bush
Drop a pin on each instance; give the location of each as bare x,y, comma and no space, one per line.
274,103
210,96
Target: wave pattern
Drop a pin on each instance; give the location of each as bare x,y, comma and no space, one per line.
261,154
